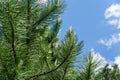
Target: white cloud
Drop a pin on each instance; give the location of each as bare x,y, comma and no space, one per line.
113,12
117,61
42,1
113,40
112,15
98,56
113,22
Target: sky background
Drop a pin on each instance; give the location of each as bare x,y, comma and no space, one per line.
97,23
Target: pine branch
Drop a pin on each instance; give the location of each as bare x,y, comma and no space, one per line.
48,72
12,38
65,71
54,12
28,23
45,58
88,77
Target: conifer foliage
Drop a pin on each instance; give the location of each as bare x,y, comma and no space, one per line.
30,48
29,45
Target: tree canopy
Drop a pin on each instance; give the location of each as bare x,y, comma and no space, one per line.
30,48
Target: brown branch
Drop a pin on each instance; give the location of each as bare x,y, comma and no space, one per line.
28,23
44,17
65,71
48,72
12,34
12,37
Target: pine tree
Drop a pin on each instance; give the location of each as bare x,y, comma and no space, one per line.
90,67
109,73
29,45
94,68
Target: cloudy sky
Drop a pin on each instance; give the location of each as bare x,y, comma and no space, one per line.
97,23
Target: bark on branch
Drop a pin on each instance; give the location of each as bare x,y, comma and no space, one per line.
28,23
48,72
12,38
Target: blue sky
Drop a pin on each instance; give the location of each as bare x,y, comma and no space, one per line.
97,23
